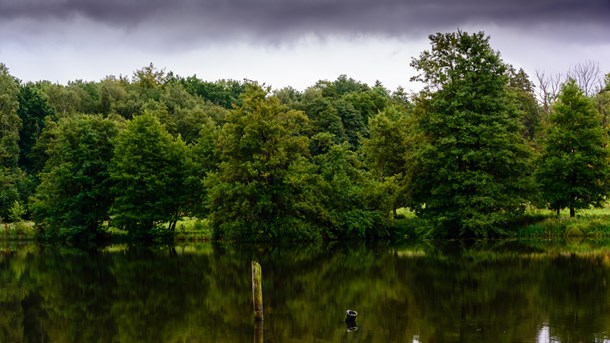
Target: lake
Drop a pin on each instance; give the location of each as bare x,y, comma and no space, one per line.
501,291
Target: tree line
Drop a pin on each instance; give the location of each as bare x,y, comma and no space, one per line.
468,153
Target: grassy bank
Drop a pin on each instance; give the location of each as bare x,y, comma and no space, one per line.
536,224
588,223
193,230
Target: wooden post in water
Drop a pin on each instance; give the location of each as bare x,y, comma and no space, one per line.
257,291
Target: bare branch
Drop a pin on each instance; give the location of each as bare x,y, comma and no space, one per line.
588,77
548,88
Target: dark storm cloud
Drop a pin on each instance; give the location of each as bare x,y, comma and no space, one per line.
275,20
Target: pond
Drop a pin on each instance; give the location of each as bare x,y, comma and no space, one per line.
443,292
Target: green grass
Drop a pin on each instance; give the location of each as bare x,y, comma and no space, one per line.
193,230
187,230
591,223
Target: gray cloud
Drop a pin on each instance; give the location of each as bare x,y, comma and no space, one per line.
280,20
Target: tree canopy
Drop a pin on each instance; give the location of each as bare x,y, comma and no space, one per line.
472,165
149,170
336,160
74,195
574,170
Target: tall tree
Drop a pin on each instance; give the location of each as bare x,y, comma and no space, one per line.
74,196
384,153
471,170
149,171
531,113
262,189
573,168
10,124
33,109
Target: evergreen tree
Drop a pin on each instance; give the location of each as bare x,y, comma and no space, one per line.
573,168
470,173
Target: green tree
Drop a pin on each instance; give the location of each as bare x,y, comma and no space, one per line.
263,186
384,153
225,93
149,169
531,112
343,192
33,109
10,124
73,198
470,175
16,212
573,169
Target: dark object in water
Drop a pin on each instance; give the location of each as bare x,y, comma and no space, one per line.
350,316
350,320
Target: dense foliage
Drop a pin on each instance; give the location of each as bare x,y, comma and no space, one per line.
149,173
472,165
73,197
574,170
334,161
262,188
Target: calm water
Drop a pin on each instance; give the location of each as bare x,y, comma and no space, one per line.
458,292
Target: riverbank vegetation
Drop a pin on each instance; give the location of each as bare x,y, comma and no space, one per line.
478,152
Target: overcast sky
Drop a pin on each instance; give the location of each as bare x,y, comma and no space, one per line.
287,42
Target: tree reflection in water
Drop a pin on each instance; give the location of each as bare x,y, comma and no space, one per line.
506,292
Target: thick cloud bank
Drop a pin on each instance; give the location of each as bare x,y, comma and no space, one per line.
275,21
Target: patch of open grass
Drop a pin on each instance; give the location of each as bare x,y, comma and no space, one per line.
193,230
591,223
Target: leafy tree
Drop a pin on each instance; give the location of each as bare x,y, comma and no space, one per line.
384,153
325,117
225,93
10,124
289,96
573,168
17,212
64,100
531,113
89,96
11,181
149,171
189,122
263,186
602,100
112,92
470,176
148,82
342,191
33,109
74,196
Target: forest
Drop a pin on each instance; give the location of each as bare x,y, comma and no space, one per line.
469,154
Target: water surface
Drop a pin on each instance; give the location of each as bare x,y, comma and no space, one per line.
448,292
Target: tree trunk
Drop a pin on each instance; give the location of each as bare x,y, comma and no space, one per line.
572,212
558,211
